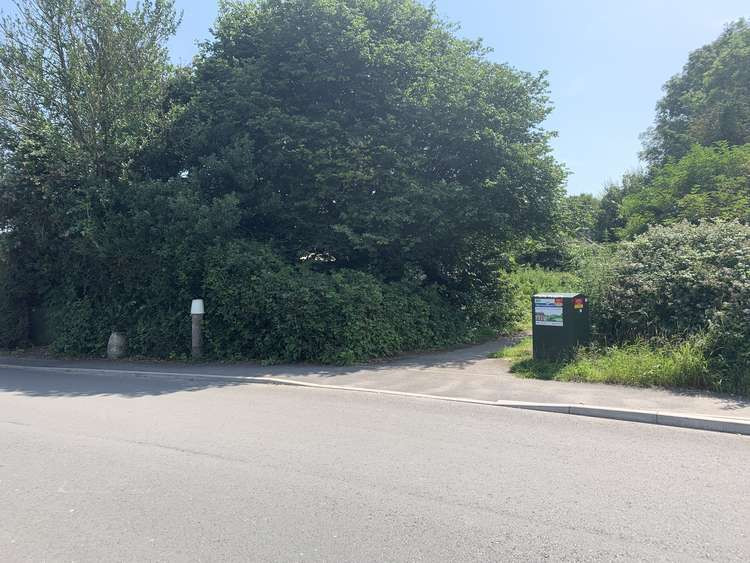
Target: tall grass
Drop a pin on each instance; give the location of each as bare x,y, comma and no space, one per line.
533,279
641,364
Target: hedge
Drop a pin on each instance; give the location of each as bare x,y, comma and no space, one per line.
685,279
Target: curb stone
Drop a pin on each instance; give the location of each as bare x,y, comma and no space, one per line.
677,420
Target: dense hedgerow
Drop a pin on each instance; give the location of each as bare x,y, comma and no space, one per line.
264,308
673,280
680,280
13,317
339,180
260,307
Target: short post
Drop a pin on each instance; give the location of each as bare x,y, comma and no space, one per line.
196,312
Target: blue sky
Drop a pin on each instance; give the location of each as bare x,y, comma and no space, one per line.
606,60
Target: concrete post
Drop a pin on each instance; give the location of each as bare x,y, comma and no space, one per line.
196,312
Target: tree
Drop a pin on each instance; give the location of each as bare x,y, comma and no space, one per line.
81,91
581,213
707,183
610,221
708,101
91,73
366,134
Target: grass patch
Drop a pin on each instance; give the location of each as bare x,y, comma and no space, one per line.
520,351
642,364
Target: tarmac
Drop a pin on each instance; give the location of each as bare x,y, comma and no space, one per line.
467,375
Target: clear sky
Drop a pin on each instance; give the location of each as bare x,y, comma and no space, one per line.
607,61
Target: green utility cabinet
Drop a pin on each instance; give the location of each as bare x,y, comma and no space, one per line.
560,323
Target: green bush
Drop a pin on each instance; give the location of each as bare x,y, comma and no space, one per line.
682,280
728,346
166,246
262,307
673,280
139,272
13,315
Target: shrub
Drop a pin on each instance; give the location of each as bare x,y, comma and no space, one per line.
140,272
139,279
673,280
13,314
262,307
728,346
679,281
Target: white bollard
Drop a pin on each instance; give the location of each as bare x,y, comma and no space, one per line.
196,312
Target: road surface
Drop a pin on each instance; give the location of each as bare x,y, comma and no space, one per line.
99,468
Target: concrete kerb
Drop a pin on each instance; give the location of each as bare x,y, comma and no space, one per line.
678,420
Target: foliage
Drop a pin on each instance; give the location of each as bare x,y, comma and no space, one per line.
574,221
550,251
262,307
682,280
673,280
339,179
593,266
728,345
367,133
13,313
148,263
708,182
580,214
88,75
708,101
81,89
680,364
529,280
609,220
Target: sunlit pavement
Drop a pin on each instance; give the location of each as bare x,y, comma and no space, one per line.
123,468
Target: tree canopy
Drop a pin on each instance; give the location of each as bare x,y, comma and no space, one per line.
708,101
697,151
707,183
351,149
365,132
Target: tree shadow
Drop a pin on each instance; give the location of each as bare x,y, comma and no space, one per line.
148,378
729,402
82,384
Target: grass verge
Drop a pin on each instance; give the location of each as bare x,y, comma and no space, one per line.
642,364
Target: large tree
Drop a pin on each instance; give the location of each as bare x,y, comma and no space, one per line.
365,134
707,183
87,73
82,85
708,101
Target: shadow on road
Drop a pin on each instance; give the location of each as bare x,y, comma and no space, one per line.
49,384
83,383
465,372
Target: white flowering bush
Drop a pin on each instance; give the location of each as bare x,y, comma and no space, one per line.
682,280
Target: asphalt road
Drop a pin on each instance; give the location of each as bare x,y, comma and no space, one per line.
131,469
